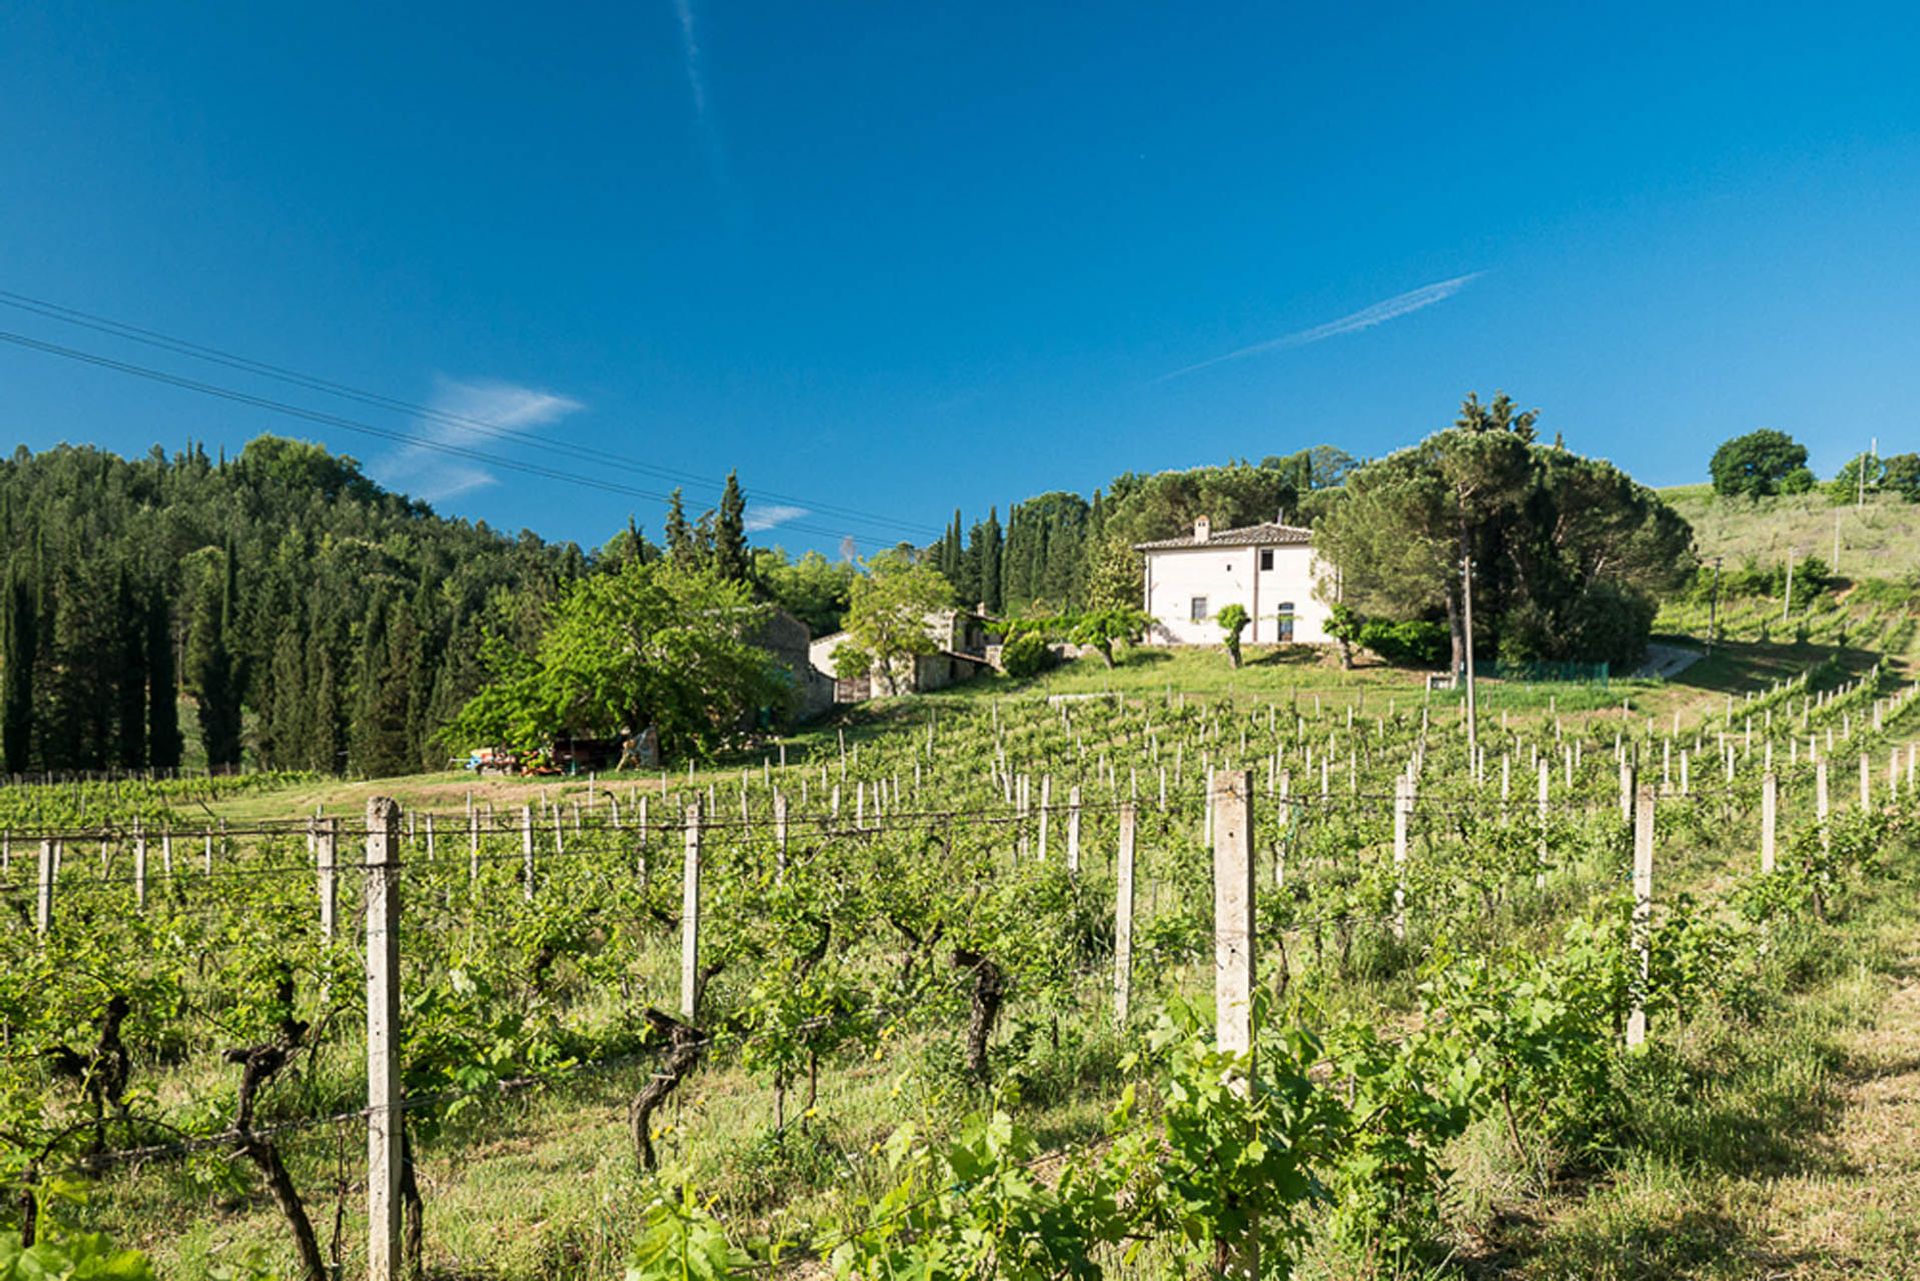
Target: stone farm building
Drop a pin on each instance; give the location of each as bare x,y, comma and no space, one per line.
960,653
1269,570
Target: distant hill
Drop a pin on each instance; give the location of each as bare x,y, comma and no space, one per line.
1880,540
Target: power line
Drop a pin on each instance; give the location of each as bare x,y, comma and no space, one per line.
354,425
201,351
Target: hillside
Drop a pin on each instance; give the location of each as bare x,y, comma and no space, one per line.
1880,540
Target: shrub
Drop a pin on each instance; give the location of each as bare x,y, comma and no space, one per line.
1025,655
1414,643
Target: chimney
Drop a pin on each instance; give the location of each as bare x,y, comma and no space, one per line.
1202,529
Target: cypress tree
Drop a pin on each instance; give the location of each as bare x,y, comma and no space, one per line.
213,675
16,680
130,673
163,707
730,557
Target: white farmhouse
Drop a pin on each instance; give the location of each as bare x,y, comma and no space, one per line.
1269,570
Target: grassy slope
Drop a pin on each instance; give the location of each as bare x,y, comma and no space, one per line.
1881,539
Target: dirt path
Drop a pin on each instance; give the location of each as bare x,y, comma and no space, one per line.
1860,1215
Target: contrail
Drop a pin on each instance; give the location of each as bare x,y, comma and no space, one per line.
1366,318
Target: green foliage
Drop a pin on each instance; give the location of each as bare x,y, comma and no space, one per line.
1756,463
1861,475
1901,475
648,644
1025,654
888,620
813,589
1568,553
1414,643
78,1256
1233,622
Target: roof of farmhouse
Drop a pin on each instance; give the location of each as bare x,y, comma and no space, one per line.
1266,534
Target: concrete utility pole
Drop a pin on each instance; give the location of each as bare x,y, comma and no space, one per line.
1466,586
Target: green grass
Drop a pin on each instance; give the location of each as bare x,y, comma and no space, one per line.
1878,540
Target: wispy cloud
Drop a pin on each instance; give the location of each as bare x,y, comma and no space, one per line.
771,516
1378,313
690,57
462,413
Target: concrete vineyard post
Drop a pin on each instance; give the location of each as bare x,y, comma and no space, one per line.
43,914
1769,819
1230,800
1073,828
526,852
1820,803
325,852
473,841
1402,812
780,835
1540,876
384,1117
1046,810
1642,912
1123,918
139,868
690,920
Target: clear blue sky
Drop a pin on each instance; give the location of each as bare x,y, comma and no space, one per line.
896,258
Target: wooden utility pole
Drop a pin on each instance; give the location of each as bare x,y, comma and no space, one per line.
1466,587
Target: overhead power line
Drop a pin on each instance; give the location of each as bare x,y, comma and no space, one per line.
354,425
495,431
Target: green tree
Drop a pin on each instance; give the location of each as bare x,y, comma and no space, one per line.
682,550
813,589
16,679
1233,622
1862,474
1105,628
887,620
730,558
163,693
646,644
1756,464
216,685
1902,476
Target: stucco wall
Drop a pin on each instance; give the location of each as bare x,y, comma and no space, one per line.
1225,575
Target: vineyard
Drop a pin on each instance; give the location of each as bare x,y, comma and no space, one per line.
1106,984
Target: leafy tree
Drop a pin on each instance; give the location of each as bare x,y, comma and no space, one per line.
1114,578
1344,624
1025,655
813,589
1233,622
1862,474
1755,464
1902,476
1567,552
646,644
887,620
1104,628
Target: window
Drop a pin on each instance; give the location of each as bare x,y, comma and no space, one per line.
1286,622
1266,559
1198,612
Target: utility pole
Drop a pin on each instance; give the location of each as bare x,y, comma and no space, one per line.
1713,609
1466,584
1786,611
1836,541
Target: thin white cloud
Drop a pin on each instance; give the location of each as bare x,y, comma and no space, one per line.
772,515
1378,313
691,59
462,411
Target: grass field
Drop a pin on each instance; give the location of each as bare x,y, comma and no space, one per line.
1879,540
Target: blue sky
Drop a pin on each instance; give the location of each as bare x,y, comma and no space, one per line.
889,259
